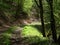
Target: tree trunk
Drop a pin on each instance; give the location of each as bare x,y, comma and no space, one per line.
40,6
52,20
41,16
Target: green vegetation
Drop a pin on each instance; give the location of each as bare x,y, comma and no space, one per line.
5,39
36,22
27,5
29,32
11,29
33,35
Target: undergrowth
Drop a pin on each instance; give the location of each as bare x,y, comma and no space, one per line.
30,34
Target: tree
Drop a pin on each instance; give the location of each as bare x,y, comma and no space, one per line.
40,6
52,20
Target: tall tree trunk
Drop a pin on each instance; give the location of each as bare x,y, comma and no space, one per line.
52,20
41,16
40,6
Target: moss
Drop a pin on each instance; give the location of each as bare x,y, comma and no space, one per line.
31,31
32,35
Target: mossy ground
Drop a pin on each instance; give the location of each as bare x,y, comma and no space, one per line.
30,33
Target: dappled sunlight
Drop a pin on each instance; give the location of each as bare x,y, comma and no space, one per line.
31,31
29,22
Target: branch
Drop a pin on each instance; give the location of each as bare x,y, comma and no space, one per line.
37,3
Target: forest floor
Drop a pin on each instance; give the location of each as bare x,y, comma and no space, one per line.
5,27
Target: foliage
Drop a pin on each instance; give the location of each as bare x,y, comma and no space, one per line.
8,11
5,39
27,5
31,31
33,35
13,8
28,31
11,29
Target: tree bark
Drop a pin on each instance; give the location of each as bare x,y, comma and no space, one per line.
52,21
41,16
40,6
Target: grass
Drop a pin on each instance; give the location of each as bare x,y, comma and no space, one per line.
33,35
5,38
30,35
31,31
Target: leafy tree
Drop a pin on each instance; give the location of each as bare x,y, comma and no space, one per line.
15,9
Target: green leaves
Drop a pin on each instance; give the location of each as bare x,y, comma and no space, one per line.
27,5
5,39
31,31
33,35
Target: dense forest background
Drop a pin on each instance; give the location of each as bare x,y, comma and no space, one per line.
30,22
